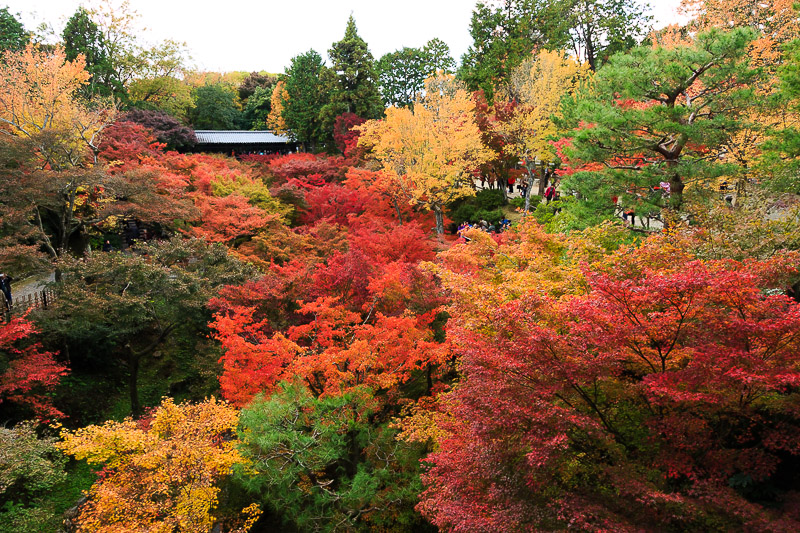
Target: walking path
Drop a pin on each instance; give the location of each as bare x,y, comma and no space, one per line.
641,223
31,285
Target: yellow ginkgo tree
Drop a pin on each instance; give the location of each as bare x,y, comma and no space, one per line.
430,151
49,141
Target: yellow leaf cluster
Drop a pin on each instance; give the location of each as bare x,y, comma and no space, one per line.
538,86
38,91
160,477
275,120
432,150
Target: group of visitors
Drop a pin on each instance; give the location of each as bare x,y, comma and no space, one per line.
521,184
482,225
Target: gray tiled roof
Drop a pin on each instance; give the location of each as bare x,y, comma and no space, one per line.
239,137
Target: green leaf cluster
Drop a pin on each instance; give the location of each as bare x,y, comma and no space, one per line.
402,73
326,464
12,33
215,108
82,36
661,116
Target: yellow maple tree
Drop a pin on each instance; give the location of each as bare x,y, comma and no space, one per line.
160,476
38,91
432,150
538,86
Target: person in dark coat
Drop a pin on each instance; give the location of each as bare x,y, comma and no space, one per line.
5,286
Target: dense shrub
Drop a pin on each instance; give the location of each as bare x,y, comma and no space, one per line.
166,128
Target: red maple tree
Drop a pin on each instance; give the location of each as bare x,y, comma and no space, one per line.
664,396
30,373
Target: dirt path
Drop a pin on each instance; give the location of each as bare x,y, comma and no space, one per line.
23,288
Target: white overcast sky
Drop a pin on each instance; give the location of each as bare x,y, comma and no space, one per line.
266,34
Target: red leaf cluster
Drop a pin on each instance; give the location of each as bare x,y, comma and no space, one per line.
31,373
640,404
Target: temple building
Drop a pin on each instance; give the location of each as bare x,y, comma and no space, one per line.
235,143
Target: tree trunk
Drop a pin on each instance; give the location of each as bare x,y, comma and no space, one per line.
543,183
504,184
591,55
437,210
676,186
528,190
397,210
133,383
134,357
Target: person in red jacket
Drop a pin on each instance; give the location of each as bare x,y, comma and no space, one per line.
549,193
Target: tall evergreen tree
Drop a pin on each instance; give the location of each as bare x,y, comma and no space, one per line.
83,36
307,89
356,89
505,35
12,33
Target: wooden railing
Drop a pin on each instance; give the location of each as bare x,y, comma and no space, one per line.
33,300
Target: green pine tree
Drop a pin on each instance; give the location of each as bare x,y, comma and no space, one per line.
82,36
356,84
659,115
12,33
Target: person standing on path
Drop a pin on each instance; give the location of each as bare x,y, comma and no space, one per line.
5,286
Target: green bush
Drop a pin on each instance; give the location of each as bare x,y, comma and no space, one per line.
36,484
485,205
518,203
354,457
545,212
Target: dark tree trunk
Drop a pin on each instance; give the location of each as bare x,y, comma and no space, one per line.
437,210
591,54
676,186
502,182
528,190
134,357
397,210
543,183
